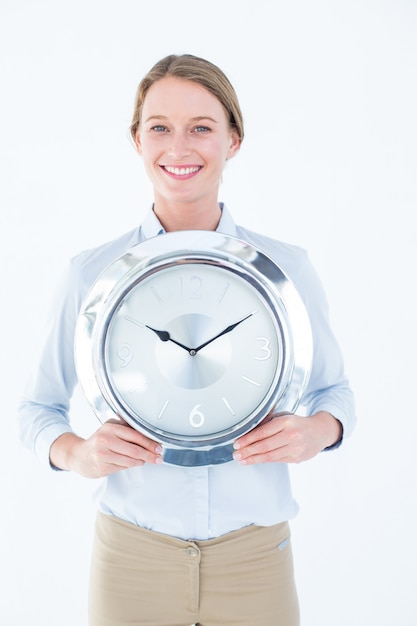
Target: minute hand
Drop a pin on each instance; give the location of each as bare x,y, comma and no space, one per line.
226,330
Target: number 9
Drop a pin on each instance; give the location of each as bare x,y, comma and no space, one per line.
125,354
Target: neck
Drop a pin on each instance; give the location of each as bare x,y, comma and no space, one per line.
188,217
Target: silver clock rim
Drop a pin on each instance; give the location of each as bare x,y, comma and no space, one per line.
163,435
206,247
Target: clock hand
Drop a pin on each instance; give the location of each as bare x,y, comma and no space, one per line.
165,336
226,330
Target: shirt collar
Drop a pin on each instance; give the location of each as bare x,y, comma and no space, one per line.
226,225
151,226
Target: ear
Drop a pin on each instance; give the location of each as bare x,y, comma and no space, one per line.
138,143
234,144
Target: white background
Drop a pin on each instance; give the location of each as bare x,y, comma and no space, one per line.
328,91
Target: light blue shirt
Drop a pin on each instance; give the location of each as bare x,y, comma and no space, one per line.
188,503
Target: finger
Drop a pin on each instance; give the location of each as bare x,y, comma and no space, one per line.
138,439
124,447
252,455
118,458
129,450
132,453
120,463
263,431
126,433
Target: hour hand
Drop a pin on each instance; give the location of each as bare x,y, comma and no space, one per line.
165,336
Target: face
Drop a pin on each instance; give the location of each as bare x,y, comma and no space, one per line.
185,139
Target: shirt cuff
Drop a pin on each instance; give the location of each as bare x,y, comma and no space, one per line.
45,439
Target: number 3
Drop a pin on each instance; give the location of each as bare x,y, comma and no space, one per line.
266,352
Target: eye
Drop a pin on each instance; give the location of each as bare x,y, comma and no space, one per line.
201,129
159,128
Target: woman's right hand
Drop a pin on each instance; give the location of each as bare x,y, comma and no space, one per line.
113,447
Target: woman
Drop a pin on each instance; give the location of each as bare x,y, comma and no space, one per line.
177,545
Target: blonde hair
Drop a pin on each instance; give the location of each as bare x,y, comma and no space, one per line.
196,69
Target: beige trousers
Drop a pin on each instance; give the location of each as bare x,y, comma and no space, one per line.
139,577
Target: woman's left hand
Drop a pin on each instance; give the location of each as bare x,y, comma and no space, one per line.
288,439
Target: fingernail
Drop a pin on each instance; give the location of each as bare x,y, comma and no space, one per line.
237,456
158,450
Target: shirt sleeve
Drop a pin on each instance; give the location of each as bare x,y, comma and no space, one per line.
328,388
43,411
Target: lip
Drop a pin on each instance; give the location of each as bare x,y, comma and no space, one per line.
181,172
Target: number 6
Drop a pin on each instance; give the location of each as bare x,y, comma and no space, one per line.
196,418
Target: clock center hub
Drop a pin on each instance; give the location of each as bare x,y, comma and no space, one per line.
194,369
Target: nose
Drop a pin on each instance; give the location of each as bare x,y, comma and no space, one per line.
178,147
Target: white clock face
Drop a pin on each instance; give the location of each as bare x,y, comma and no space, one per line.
193,349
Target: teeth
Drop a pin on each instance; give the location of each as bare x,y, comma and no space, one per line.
181,171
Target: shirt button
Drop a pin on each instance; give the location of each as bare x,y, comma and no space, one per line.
191,552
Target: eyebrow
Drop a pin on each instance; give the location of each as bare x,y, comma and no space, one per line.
197,118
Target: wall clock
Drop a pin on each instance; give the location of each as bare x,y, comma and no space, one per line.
193,338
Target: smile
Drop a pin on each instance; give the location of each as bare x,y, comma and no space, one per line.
182,171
